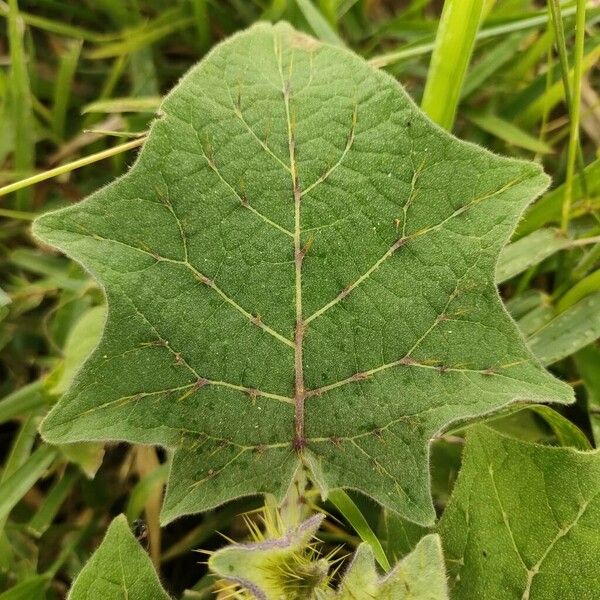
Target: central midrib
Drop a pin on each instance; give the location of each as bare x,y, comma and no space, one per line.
299,440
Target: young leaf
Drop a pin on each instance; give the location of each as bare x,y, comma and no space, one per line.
299,271
420,575
523,519
118,569
285,568
274,568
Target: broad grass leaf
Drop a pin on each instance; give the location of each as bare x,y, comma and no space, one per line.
299,271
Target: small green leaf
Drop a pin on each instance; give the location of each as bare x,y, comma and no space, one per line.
419,576
523,521
299,270
87,455
82,339
118,570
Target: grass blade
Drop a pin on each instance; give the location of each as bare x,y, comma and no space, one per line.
62,87
390,58
561,45
13,488
529,251
491,63
588,285
140,104
352,514
32,588
27,398
20,94
508,132
575,113
318,23
76,164
45,514
451,55
568,332
200,12
566,432
548,209
139,39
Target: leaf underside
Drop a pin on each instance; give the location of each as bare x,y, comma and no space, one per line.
523,521
299,270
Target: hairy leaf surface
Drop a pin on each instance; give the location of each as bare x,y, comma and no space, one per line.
419,576
523,521
299,270
118,570
275,568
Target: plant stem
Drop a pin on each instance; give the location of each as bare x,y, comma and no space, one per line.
561,45
454,45
390,58
76,164
20,95
574,115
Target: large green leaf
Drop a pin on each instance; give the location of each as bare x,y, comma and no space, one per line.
523,521
118,570
299,270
